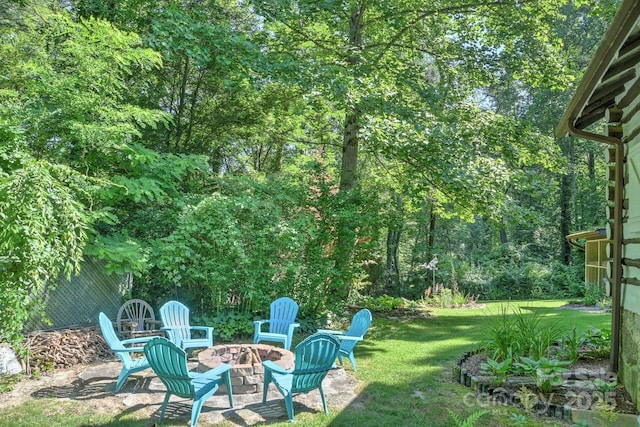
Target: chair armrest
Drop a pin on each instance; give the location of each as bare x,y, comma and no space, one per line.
329,331
348,338
292,326
208,330
217,371
272,366
129,350
136,340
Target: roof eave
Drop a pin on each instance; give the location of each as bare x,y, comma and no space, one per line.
614,38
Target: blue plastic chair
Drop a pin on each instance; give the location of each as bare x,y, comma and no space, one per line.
282,322
348,340
169,362
129,364
175,321
314,357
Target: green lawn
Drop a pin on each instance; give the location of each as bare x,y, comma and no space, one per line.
405,366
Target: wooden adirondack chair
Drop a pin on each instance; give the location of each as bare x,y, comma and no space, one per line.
169,362
348,340
136,318
175,321
314,357
282,322
129,364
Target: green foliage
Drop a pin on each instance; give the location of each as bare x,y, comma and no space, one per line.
594,294
598,342
545,371
242,248
65,129
7,382
42,234
519,419
443,297
523,333
228,325
604,386
514,275
572,343
382,303
498,370
536,333
470,421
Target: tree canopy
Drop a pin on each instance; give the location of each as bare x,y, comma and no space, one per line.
234,151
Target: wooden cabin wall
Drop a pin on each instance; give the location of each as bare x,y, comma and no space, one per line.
628,371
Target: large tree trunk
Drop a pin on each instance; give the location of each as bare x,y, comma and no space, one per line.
346,240
348,171
393,270
350,140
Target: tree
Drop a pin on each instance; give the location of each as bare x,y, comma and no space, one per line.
404,75
69,157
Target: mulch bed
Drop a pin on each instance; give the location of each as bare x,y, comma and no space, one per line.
569,395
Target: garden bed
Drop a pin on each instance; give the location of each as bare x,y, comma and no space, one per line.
577,391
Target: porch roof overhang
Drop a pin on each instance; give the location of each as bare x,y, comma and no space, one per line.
612,77
575,238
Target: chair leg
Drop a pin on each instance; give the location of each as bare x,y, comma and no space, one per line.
353,361
164,405
265,387
195,411
288,401
122,378
227,383
324,401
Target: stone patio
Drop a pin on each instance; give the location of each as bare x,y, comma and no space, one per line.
143,394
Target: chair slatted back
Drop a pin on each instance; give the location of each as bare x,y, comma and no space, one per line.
112,340
314,357
359,326
175,315
283,312
136,312
169,362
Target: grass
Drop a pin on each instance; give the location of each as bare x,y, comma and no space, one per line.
405,367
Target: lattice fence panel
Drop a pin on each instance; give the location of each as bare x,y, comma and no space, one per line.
79,301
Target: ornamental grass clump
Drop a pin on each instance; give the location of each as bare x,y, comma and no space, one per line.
527,334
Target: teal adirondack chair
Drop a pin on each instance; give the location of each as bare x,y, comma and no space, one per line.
282,322
175,322
314,357
169,362
129,364
348,340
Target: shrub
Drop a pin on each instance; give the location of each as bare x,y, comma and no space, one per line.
593,294
383,303
228,325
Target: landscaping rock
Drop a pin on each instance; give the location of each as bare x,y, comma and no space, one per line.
9,364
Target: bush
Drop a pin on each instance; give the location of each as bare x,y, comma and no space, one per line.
228,325
383,303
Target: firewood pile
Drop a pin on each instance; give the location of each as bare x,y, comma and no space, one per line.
63,349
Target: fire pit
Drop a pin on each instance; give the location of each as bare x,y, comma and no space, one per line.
247,374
